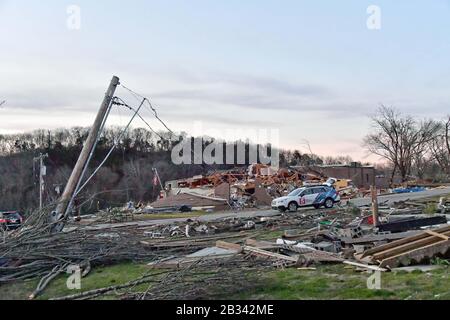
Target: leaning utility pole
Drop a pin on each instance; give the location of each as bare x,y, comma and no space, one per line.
42,173
62,209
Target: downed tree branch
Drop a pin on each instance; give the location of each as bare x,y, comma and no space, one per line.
46,280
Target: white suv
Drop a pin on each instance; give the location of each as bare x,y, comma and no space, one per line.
314,196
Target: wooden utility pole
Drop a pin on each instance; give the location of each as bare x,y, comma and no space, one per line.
373,192
60,214
42,174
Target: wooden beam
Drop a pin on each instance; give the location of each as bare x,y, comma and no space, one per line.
376,219
269,254
360,265
401,242
417,254
265,245
407,247
439,235
229,246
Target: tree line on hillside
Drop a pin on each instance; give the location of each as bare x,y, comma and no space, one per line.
409,146
127,175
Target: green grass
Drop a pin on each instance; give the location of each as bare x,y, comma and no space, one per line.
270,235
326,283
431,208
99,278
341,283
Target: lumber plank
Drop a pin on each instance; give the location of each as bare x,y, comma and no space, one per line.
265,245
416,254
397,243
407,247
269,254
375,238
360,265
229,246
439,235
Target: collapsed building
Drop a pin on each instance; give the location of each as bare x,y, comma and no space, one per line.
258,184
254,186
363,177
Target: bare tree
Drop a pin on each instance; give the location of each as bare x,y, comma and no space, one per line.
400,139
313,158
440,146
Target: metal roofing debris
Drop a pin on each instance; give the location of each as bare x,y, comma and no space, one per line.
412,224
210,252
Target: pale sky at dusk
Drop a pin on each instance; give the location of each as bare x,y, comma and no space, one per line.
311,69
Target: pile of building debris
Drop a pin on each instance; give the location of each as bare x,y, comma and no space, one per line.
256,187
311,237
242,188
302,239
345,234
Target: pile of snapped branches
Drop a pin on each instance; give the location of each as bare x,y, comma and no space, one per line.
204,279
33,252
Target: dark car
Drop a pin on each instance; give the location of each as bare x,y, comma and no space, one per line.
10,220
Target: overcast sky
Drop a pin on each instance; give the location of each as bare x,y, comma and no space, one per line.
312,69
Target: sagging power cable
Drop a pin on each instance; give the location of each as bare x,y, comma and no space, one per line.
120,102
123,104
155,113
150,105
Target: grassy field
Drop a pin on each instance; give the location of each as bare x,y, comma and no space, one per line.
340,282
327,282
98,278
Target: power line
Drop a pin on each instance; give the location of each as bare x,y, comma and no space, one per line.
124,104
138,96
120,102
150,105
155,113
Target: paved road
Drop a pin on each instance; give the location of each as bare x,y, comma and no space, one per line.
205,218
389,199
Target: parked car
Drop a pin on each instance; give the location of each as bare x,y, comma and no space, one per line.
10,220
312,196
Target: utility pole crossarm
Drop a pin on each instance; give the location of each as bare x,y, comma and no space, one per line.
60,214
